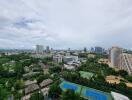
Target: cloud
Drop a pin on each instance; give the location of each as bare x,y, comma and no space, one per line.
65,23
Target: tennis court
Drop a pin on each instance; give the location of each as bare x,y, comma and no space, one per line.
86,75
67,85
86,92
93,94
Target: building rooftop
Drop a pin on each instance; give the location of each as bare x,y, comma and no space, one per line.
46,82
28,82
31,88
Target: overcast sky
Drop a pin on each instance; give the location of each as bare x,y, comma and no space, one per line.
65,23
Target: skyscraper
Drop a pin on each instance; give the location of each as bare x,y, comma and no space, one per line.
114,56
47,49
85,49
39,49
98,50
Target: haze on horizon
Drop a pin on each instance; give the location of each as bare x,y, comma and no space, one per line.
65,23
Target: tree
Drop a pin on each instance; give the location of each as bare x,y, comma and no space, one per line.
70,95
3,93
37,96
19,70
55,69
129,78
122,85
123,73
55,91
42,77
19,84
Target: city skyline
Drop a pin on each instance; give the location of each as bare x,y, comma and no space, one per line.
63,24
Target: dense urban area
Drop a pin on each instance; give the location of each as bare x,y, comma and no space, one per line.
47,74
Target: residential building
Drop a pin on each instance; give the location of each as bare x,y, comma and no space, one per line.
45,91
45,83
28,82
120,60
125,62
31,88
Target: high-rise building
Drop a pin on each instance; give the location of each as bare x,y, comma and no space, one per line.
69,49
92,50
114,56
39,49
98,50
47,49
125,62
121,60
51,49
85,49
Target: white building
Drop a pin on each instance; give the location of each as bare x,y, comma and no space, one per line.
118,96
120,60
69,67
125,62
39,49
58,58
70,59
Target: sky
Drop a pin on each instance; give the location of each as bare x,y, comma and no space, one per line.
63,24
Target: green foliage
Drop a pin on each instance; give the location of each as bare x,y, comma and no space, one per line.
123,73
122,85
55,69
3,93
4,60
19,84
46,60
83,55
37,96
42,77
70,95
55,90
19,69
129,78
71,76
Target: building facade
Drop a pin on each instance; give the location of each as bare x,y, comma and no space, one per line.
58,58
114,56
121,60
39,49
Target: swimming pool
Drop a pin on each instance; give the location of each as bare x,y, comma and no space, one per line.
95,95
